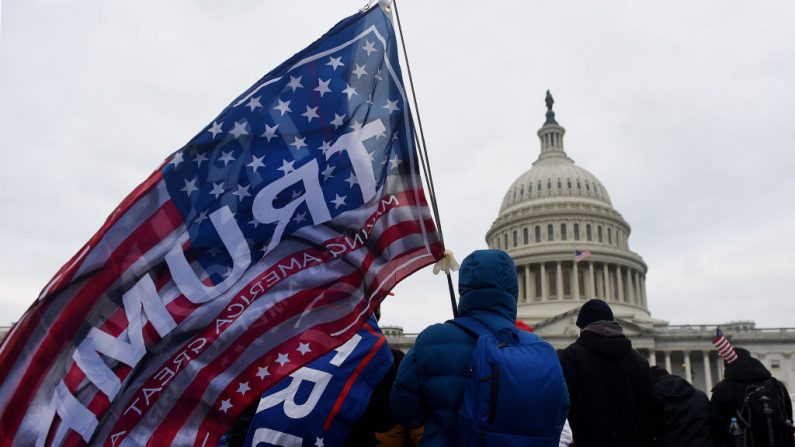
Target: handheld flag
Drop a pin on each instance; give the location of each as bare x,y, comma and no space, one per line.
724,347
265,242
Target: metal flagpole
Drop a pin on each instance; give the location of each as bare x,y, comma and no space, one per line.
424,160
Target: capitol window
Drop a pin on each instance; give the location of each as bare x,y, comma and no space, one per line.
599,233
539,186
576,232
538,233
579,186
550,232
568,183
549,184
588,232
587,186
529,188
526,237
515,238
563,235
609,236
505,241
560,185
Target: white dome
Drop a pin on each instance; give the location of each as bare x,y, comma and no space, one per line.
555,177
569,244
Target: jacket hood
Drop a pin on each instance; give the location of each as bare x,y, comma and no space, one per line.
487,282
605,338
674,387
746,369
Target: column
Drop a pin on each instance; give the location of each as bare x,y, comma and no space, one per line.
559,280
591,292
630,289
668,361
520,283
608,294
529,284
652,357
688,372
707,372
619,284
636,284
544,288
575,284
720,368
788,371
643,290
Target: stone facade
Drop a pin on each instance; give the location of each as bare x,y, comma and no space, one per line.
557,207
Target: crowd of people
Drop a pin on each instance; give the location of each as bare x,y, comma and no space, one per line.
484,379
611,397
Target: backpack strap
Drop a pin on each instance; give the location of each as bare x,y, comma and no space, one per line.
471,326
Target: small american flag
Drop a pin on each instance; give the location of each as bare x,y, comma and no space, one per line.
581,255
723,346
262,244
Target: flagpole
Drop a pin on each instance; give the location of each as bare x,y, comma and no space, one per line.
424,160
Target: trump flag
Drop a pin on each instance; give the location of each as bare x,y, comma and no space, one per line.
262,244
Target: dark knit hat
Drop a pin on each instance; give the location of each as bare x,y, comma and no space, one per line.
593,310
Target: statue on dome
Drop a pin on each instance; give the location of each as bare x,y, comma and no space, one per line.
550,114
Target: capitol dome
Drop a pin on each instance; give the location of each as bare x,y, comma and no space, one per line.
553,210
554,178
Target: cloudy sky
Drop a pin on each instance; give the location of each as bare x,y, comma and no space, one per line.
684,110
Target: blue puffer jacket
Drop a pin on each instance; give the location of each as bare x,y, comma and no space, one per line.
431,378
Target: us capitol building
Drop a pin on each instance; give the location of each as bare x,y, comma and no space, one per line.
557,207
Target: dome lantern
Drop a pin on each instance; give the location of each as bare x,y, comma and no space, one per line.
551,133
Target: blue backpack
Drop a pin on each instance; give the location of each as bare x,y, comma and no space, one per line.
515,396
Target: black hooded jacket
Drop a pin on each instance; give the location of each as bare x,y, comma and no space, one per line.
689,419
613,402
727,395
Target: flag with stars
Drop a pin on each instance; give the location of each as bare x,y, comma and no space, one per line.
265,242
319,404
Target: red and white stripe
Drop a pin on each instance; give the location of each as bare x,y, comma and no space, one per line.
724,347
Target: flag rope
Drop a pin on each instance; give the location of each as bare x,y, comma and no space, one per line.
423,153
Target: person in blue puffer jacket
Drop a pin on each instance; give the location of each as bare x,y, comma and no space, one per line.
430,381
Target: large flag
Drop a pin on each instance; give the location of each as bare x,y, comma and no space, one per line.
263,243
319,404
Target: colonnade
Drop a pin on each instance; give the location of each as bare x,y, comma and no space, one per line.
689,359
560,280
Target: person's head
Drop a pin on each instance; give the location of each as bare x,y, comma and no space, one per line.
488,269
742,353
658,372
487,280
592,311
743,358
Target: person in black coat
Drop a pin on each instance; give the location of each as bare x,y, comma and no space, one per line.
728,395
613,402
689,420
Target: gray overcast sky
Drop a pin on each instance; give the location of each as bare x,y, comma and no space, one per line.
684,110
